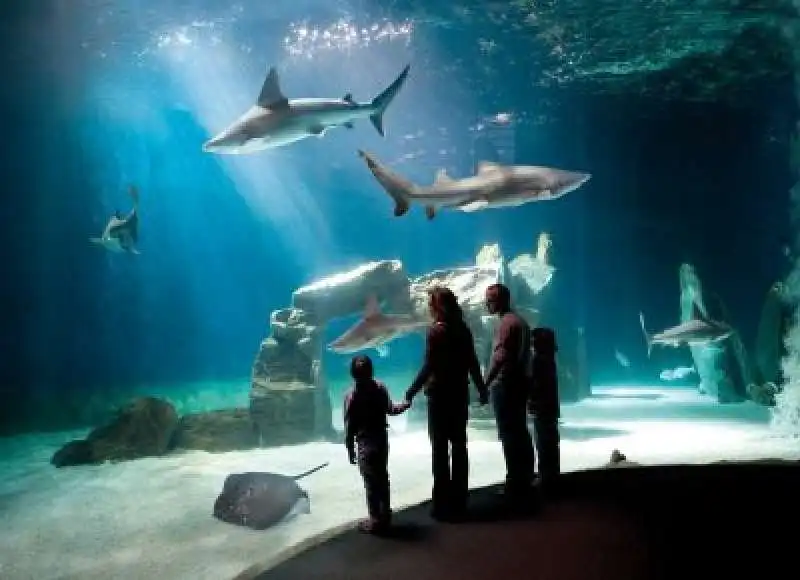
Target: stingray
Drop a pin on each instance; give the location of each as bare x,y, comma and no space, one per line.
260,500
122,233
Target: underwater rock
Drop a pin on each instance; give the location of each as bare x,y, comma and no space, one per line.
530,274
261,500
469,284
284,412
347,292
281,360
770,348
226,430
143,428
723,369
286,376
763,393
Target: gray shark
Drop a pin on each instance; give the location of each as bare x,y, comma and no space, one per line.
375,330
121,234
261,500
492,186
700,330
275,121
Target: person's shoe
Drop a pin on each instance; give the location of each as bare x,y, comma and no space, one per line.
371,526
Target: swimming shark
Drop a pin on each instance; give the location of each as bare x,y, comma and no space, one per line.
275,121
375,330
121,234
493,186
261,500
699,330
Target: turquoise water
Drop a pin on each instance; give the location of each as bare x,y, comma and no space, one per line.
206,353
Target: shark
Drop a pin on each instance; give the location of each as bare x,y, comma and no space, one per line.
493,186
274,121
699,330
121,234
375,330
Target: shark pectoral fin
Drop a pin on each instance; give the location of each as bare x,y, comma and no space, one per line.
349,125
383,350
430,212
271,96
318,130
476,205
442,177
487,166
372,307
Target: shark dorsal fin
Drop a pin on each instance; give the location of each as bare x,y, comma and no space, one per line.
487,166
271,96
348,98
697,314
372,308
442,177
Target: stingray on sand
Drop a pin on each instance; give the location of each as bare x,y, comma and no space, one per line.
261,500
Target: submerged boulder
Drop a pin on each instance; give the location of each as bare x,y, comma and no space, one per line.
143,428
723,368
346,293
225,430
770,348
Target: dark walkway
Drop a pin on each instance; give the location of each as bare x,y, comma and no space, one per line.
722,521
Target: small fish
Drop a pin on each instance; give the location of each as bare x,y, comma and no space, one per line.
676,374
622,359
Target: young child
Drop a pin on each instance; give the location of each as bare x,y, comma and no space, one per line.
545,406
366,406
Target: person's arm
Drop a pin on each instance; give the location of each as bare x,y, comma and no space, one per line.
475,368
431,347
392,408
506,348
349,425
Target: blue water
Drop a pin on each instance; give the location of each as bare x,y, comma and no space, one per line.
118,93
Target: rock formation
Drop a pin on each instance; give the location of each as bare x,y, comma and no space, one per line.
770,347
723,369
289,400
144,428
225,430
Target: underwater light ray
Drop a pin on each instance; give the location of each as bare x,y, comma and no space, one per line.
217,86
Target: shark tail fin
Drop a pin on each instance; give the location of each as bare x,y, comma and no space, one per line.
382,101
310,471
647,339
394,185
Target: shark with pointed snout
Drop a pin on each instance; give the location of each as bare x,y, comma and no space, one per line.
274,121
493,186
376,330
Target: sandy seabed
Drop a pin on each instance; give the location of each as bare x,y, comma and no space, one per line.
151,518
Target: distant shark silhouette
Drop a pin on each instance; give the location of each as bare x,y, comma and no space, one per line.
375,330
493,186
275,121
261,500
700,330
121,234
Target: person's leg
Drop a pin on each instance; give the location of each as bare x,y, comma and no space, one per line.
548,445
457,434
440,457
512,430
383,486
369,465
